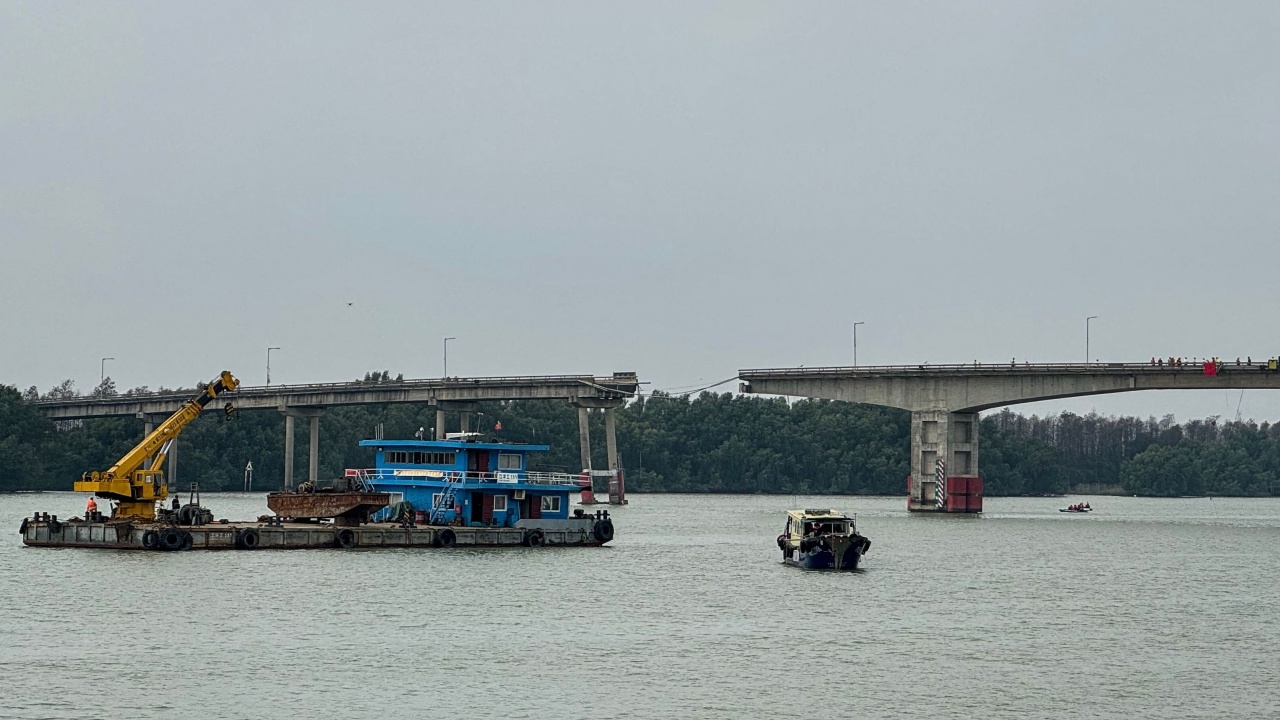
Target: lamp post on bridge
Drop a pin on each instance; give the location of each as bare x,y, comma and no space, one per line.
446,355
102,370
1086,338
269,364
855,342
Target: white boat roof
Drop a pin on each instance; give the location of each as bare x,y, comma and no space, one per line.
817,514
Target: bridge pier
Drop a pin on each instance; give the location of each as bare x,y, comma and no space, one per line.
584,437
944,462
313,449
149,423
288,452
464,410
617,486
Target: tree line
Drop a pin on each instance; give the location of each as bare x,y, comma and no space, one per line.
713,442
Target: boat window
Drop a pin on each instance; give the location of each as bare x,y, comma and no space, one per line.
550,503
509,461
499,503
404,457
435,499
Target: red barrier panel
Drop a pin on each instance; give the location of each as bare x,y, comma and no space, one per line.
975,486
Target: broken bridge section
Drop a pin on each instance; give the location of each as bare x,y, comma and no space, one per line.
451,394
945,401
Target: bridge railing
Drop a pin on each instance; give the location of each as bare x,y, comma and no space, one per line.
614,383
1163,365
374,475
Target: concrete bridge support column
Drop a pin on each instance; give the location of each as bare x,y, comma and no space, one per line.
149,423
617,488
464,408
313,450
288,452
944,462
584,437
313,446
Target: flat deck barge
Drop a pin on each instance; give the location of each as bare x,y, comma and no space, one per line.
43,531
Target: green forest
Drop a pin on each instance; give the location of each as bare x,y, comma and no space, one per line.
718,443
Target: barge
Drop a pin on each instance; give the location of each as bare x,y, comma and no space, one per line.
441,493
270,533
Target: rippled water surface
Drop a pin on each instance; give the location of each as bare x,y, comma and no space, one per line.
1146,608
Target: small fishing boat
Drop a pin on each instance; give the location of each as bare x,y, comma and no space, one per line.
1076,509
822,540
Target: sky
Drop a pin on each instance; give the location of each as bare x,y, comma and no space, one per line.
680,189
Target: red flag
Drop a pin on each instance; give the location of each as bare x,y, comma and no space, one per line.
497,427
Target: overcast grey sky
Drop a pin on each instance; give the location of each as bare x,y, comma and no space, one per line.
680,189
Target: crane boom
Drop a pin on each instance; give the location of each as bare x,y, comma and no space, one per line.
136,484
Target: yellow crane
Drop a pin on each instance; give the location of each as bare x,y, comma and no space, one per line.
136,481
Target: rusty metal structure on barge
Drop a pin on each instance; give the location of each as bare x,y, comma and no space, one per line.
346,509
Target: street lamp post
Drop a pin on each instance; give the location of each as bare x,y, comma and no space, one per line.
855,342
102,370
1086,337
269,364
446,355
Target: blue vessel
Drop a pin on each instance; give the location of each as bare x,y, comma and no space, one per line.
462,481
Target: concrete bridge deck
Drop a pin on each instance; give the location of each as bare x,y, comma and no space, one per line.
945,400
976,387
587,388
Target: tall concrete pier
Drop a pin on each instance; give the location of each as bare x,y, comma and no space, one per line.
945,400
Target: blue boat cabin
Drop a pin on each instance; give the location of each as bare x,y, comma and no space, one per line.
484,484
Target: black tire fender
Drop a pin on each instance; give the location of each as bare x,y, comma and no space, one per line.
535,538
782,541
248,539
446,538
187,541
54,527
22,529
171,538
345,538
150,539
603,530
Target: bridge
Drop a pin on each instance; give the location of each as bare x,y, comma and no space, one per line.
462,395
944,401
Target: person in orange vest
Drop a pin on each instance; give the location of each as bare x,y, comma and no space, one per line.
90,507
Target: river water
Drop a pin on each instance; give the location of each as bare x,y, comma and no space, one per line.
1146,608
